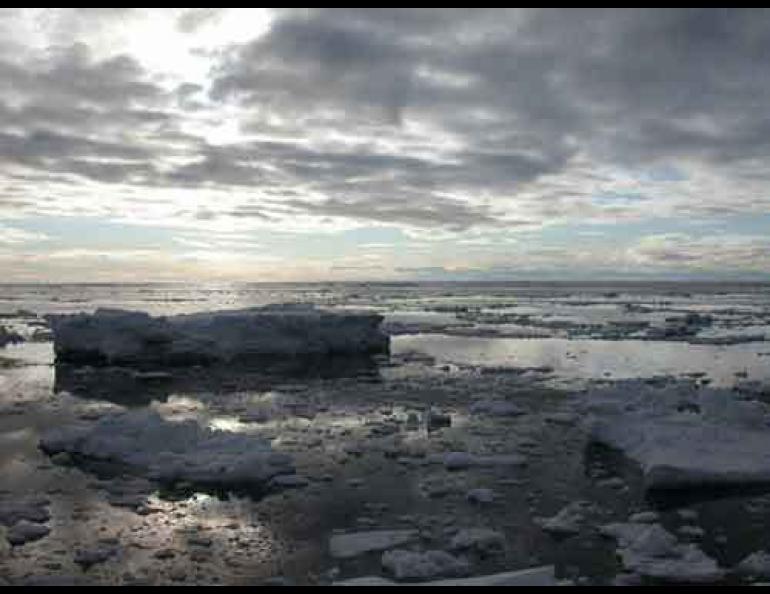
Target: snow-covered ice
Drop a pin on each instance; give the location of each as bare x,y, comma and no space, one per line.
569,520
479,540
681,435
649,550
171,451
428,565
128,337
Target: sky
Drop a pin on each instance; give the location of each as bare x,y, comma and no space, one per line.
383,144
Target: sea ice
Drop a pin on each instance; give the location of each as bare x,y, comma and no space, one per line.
683,436
345,546
32,510
171,451
411,565
535,576
569,520
497,408
480,540
25,519
464,460
649,550
85,558
481,496
23,532
111,336
756,565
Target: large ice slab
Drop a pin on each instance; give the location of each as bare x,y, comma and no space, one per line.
683,436
111,336
170,451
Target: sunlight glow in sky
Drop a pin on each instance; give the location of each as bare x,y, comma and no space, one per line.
383,144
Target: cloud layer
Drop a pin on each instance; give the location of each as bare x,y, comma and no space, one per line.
504,124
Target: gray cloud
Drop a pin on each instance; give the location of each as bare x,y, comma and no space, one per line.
451,118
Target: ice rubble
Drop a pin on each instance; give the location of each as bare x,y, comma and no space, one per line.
412,565
570,520
483,541
129,337
649,550
170,451
681,435
25,519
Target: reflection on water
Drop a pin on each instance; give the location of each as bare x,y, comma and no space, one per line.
591,359
129,387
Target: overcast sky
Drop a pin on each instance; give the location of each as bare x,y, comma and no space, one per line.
332,144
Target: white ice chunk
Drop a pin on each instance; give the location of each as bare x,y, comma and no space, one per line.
480,540
569,520
411,565
171,451
649,550
682,436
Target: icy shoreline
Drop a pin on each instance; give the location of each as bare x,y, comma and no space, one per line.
111,336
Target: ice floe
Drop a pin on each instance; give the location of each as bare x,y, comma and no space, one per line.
111,336
480,540
24,531
428,565
171,451
650,551
569,520
25,519
345,546
681,435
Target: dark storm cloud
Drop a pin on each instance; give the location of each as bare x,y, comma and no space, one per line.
71,74
523,89
70,113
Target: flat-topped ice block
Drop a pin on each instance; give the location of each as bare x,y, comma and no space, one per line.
111,336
